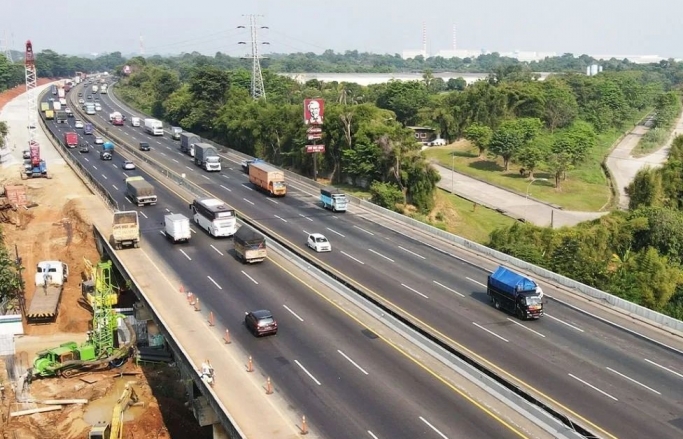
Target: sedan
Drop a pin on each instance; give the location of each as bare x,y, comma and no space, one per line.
319,243
98,108
128,165
260,322
99,140
89,96
81,101
78,124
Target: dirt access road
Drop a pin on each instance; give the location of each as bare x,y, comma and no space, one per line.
55,228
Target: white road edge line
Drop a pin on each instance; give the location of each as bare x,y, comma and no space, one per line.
593,387
352,362
249,277
217,251
293,313
565,323
449,289
372,435
307,372
633,381
490,332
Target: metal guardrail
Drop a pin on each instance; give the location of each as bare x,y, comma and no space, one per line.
199,192
643,313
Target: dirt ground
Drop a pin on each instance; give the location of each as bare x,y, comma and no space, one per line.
56,229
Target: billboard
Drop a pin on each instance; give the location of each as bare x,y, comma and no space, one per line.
314,111
315,148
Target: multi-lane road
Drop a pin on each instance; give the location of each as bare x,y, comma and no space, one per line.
613,382
347,381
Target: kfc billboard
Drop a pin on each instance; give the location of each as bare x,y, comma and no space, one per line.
314,111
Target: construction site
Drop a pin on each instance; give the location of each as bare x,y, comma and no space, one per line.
77,370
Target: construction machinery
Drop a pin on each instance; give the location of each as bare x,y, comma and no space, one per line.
105,430
97,275
108,345
33,167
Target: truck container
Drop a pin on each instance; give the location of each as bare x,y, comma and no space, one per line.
268,179
250,245
114,115
61,94
103,89
44,106
88,129
71,139
125,231
49,114
56,105
62,102
187,142
333,199
206,157
177,227
140,192
514,293
107,152
154,127
61,116
50,277
53,89
94,89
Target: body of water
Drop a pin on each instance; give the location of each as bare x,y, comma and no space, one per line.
379,78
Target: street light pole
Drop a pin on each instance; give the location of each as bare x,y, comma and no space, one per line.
528,187
452,172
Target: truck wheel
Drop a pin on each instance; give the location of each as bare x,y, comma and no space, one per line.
520,314
496,304
136,245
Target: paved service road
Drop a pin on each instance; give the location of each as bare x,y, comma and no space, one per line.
619,383
348,382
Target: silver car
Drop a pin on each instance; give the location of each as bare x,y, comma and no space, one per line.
128,165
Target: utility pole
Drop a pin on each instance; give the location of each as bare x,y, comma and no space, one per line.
141,49
257,88
5,47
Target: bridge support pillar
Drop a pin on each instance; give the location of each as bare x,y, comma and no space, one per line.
203,412
219,432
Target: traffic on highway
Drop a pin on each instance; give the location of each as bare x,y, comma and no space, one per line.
342,375
617,382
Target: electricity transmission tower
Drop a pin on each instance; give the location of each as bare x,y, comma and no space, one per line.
5,47
257,89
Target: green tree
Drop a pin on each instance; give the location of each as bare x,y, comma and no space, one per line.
645,190
456,84
4,131
480,135
405,99
560,107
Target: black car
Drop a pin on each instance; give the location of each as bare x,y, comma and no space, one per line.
84,148
144,146
80,94
260,322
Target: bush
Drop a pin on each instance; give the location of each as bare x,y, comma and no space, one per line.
387,195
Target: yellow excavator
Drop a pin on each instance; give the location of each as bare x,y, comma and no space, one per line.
99,279
105,430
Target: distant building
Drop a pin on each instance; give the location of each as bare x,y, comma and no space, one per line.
424,135
411,54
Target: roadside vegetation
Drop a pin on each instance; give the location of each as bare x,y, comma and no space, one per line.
667,111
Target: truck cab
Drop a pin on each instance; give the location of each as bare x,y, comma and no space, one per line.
512,292
51,273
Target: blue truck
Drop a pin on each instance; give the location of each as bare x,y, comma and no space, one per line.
88,129
107,152
514,293
333,199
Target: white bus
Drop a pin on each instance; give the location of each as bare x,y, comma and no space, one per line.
214,216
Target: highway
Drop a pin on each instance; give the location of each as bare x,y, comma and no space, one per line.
347,382
616,383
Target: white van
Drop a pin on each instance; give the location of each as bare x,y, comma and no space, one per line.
135,121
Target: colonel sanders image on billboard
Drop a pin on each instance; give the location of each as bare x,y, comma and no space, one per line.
314,111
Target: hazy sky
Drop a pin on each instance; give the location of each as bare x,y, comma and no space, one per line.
596,27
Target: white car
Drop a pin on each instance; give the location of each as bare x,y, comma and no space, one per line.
81,101
98,108
319,243
99,140
128,165
78,124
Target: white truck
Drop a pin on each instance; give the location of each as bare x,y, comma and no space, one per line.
154,127
50,277
115,115
94,89
103,89
206,157
135,121
125,232
177,227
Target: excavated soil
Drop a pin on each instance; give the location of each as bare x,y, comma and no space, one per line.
55,228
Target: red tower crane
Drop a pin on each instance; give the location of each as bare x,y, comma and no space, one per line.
31,83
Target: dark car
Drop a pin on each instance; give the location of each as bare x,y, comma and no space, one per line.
144,146
80,94
84,148
260,322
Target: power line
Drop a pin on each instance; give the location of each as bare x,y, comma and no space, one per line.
257,88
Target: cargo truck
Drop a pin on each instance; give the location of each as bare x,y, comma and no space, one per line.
268,179
44,106
187,143
125,231
175,133
250,245
140,192
94,89
49,114
514,293
135,121
71,139
206,157
107,152
61,94
103,89
56,105
177,227
50,277
61,117
88,129
333,199
154,127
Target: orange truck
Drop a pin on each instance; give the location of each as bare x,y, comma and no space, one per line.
268,179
